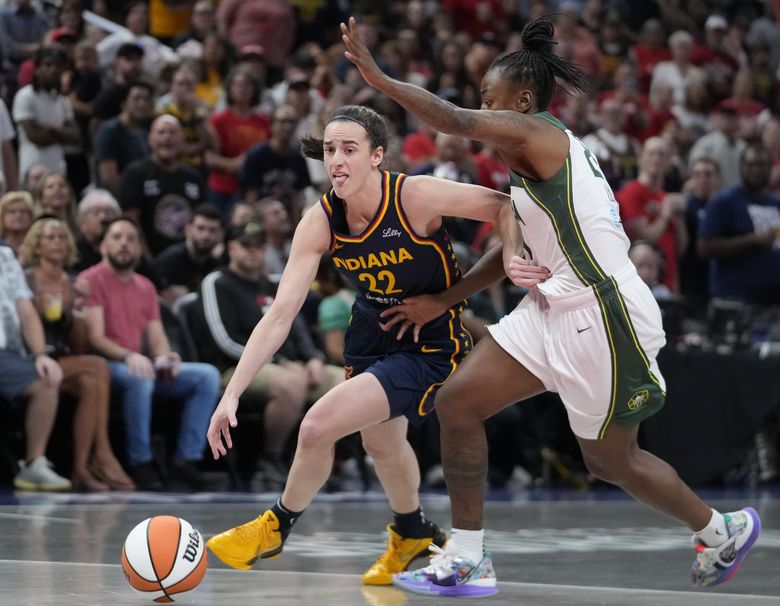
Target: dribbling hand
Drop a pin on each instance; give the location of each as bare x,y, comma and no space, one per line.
522,273
358,52
222,420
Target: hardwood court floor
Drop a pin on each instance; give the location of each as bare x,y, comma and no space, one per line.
548,550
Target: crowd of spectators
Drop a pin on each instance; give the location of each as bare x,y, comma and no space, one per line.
149,159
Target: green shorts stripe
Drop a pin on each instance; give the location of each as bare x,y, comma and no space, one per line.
636,391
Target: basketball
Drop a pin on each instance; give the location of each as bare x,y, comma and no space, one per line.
164,556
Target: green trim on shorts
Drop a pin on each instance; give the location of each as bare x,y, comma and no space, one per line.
636,391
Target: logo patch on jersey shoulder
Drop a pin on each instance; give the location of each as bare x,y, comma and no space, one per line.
639,399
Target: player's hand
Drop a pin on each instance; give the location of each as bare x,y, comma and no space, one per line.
522,273
358,53
222,420
413,312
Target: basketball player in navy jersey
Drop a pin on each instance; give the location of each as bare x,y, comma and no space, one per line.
385,233
591,332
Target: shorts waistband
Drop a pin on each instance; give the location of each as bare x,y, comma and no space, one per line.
586,297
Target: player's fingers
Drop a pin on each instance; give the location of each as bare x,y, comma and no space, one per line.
398,317
226,437
403,329
417,328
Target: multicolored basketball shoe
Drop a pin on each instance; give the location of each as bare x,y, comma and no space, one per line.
242,546
716,565
452,575
400,553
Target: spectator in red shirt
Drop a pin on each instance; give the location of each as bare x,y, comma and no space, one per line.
651,214
476,16
238,128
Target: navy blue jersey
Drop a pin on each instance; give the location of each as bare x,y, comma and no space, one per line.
387,263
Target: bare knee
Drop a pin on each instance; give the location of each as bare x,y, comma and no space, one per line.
454,408
314,433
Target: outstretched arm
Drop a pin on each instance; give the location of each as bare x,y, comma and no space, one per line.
311,240
496,127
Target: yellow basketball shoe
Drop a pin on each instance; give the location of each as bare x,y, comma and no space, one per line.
242,546
400,553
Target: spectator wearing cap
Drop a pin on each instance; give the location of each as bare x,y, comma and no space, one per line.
122,140
276,167
269,23
202,21
711,56
238,128
44,116
22,27
740,233
722,144
136,23
160,191
127,69
233,300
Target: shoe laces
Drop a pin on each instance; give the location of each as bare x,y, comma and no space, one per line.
254,531
442,558
709,557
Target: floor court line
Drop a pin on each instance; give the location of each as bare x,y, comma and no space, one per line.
687,595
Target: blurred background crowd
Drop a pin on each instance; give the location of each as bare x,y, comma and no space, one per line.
185,116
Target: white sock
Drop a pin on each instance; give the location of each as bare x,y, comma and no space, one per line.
468,543
715,533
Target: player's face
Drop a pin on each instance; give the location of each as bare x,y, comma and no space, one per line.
349,158
500,93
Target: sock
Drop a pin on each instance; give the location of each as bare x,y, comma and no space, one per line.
287,518
715,533
412,524
468,543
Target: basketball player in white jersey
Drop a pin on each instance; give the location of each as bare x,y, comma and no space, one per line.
590,329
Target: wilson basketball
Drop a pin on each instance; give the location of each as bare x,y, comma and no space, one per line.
164,556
